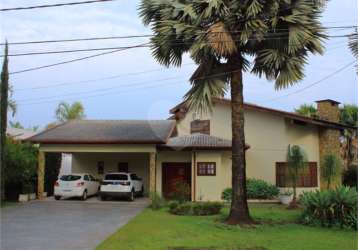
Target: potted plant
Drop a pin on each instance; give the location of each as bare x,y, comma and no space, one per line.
285,196
26,190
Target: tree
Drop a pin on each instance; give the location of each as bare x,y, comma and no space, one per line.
353,45
3,116
297,163
66,112
330,168
349,116
16,125
221,36
307,110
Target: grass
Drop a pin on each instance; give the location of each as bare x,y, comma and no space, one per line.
7,204
159,230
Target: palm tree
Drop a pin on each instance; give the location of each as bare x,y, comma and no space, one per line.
3,116
330,168
353,45
221,36
307,110
66,112
349,116
296,162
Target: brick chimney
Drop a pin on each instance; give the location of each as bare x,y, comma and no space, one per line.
329,142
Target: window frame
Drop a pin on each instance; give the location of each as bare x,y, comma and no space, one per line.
206,170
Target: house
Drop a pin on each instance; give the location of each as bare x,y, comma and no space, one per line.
195,148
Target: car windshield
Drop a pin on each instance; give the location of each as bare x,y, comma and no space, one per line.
117,177
70,177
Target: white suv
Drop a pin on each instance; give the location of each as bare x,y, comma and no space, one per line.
76,185
121,185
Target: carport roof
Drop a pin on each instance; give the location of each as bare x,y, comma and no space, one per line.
107,132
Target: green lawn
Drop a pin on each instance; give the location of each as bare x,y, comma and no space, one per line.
158,230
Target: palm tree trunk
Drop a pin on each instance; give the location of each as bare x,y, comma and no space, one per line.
239,212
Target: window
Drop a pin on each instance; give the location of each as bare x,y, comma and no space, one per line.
86,178
116,177
206,168
70,177
134,177
92,178
200,126
307,178
123,167
100,167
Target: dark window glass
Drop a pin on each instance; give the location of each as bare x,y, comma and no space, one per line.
134,177
86,178
92,178
206,168
117,177
70,177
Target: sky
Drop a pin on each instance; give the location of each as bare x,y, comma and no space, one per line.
131,84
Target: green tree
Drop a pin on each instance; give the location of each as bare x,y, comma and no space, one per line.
307,110
66,111
330,168
4,92
297,163
222,36
353,45
16,125
349,116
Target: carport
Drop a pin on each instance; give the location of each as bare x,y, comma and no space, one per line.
98,147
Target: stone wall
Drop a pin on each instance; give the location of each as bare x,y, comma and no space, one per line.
329,139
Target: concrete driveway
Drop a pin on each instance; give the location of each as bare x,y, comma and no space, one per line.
64,225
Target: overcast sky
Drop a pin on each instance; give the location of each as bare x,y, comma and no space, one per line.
132,92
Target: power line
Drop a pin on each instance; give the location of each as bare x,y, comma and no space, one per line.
96,80
144,36
54,5
64,62
314,83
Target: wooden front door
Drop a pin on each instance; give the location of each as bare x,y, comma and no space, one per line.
174,173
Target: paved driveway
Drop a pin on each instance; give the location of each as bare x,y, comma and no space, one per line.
63,225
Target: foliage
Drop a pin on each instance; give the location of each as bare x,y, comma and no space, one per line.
206,208
21,162
286,192
307,110
278,230
66,112
157,201
179,208
296,162
353,45
349,114
256,189
350,176
181,191
330,168
331,207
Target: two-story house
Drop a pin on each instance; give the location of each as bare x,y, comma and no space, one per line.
195,148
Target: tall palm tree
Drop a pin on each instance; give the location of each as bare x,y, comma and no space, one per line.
66,111
297,162
4,91
221,36
353,45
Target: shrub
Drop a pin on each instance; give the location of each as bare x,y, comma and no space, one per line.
181,192
157,202
179,208
256,189
206,208
331,207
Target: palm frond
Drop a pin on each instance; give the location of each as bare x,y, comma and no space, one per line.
220,40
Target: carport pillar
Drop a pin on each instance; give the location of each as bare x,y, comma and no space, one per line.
152,172
41,175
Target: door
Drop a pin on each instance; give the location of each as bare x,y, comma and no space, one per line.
173,176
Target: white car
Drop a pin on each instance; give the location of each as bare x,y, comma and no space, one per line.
76,185
121,185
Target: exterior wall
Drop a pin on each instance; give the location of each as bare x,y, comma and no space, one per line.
100,148
137,163
268,136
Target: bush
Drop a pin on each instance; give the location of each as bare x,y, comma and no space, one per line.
256,189
350,176
179,208
206,208
157,202
181,192
331,207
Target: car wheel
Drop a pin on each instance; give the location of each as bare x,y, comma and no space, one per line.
57,197
102,197
131,195
84,195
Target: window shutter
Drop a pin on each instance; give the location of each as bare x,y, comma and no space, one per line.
313,173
